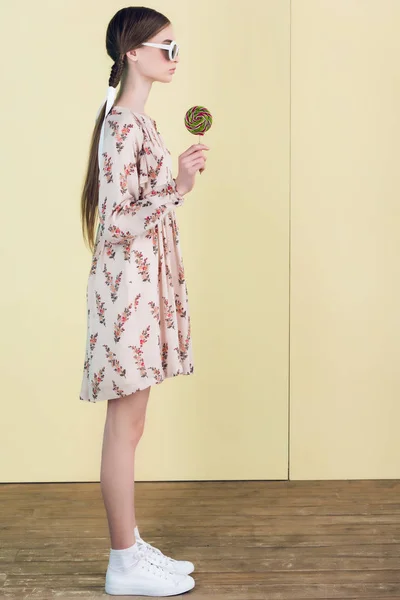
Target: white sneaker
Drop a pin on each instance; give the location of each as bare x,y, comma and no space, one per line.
183,567
146,579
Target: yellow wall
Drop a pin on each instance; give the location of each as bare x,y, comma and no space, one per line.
288,239
345,251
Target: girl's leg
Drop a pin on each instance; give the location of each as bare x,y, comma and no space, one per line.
122,431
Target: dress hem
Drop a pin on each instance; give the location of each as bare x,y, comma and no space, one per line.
138,389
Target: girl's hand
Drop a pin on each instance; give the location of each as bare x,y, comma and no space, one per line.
190,161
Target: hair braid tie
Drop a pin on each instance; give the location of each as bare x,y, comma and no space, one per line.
115,76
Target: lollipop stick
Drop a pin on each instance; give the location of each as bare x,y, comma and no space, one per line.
199,143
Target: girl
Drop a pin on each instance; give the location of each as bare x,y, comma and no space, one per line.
138,327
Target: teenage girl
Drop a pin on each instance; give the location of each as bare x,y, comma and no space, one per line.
138,321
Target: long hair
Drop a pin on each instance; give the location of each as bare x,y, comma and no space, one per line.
129,28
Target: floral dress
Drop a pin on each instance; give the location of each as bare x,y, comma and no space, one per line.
138,322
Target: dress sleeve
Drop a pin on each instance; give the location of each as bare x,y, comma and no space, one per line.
138,200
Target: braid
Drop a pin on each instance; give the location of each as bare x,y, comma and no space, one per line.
116,71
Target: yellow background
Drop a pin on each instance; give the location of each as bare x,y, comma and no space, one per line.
290,241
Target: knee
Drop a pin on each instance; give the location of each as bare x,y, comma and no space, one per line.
125,426
136,430
126,415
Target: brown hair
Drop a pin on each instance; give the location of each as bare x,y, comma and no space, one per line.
129,28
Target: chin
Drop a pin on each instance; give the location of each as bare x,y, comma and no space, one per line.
167,78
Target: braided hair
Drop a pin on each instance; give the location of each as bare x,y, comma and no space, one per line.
116,71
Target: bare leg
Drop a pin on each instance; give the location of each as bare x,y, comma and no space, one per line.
122,431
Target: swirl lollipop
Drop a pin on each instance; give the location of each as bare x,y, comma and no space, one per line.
198,120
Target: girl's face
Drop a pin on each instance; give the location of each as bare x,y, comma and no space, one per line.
154,63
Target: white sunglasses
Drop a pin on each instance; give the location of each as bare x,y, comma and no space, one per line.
173,48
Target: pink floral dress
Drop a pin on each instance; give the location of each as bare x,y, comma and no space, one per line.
138,323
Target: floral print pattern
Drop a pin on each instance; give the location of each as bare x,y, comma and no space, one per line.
138,320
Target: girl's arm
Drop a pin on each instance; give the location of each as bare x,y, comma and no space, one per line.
131,172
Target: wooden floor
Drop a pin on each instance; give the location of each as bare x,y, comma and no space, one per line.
250,540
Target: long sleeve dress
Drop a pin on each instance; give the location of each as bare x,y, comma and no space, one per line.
138,322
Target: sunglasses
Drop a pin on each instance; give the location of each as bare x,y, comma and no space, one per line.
173,48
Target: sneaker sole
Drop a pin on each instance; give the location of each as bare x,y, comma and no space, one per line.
137,590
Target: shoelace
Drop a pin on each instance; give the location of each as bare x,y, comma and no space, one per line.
156,570
149,548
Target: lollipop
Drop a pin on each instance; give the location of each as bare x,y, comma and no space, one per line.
198,120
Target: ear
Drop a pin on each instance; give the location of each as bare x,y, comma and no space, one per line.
132,55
